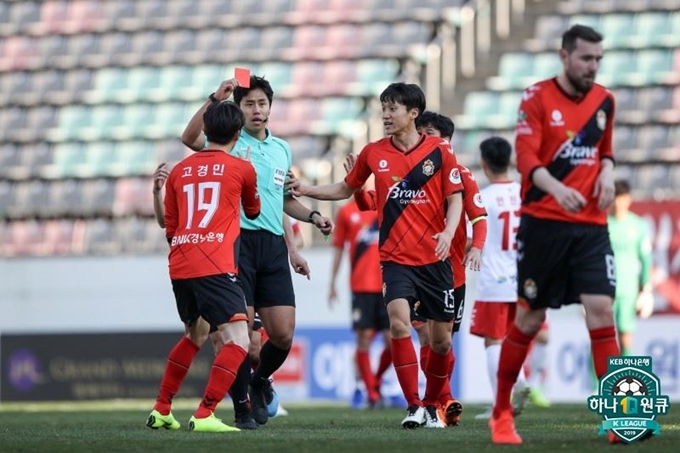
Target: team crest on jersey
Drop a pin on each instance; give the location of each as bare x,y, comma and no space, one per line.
477,199
428,168
601,119
530,288
454,176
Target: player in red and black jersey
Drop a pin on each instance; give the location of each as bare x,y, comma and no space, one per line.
418,187
204,194
564,154
358,231
464,253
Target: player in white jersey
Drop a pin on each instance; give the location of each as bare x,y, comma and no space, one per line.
495,302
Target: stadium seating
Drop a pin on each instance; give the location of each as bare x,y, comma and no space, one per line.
95,94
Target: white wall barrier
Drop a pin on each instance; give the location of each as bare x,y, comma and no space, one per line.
132,294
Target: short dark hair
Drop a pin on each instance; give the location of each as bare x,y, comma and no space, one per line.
579,32
222,122
621,187
255,83
496,153
438,121
408,94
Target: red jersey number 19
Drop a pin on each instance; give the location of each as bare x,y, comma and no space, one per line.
509,234
207,203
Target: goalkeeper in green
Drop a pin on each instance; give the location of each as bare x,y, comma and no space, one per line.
631,243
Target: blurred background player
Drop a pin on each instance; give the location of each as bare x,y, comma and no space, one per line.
358,231
633,257
265,247
564,154
495,302
464,253
207,289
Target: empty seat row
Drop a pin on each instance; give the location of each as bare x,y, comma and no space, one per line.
81,16
619,68
620,30
187,83
111,159
76,198
81,237
136,121
325,42
569,7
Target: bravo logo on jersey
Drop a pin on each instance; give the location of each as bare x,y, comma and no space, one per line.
577,154
399,191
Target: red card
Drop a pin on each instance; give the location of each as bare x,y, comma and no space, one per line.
243,77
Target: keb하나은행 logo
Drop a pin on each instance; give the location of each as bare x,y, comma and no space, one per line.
629,399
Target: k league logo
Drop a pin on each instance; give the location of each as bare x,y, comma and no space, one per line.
629,399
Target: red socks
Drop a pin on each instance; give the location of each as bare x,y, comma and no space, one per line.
437,374
179,361
513,353
385,362
406,366
222,375
424,356
445,395
603,345
364,366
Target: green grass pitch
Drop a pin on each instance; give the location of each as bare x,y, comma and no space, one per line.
118,427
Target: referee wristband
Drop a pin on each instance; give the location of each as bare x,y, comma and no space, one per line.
311,216
213,98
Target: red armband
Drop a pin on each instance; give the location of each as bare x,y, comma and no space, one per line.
479,233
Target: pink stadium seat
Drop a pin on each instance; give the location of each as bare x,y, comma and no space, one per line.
337,75
58,237
342,40
307,79
307,40
84,15
53,16
27,238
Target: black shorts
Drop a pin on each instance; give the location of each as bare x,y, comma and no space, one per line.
559,261
216,298
264,270
428,288
369,311
459,307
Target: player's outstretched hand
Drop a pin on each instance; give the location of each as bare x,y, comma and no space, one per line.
604,188
299,264
324,224
569,198
225,89
473,259
160,176
349,162
332,296
293,185
443,244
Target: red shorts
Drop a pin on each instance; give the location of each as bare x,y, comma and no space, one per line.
492,319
